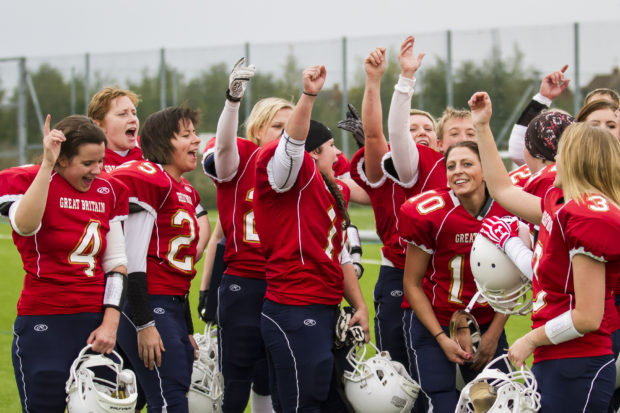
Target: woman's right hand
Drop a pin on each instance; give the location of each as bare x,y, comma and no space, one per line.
375,63
452,350
314,79
150,347
481,108
52,139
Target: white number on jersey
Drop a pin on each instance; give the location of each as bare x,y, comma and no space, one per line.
249,227
536,258
186,263
456,285
329,248
89,246
598,203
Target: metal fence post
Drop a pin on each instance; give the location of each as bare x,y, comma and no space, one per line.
86,82
72,97
344,101
577,84
247,101
162,78
21,112
449,85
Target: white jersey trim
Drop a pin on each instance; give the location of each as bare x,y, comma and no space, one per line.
388,158
362,174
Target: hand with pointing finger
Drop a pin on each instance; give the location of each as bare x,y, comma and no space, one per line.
52,139
554,84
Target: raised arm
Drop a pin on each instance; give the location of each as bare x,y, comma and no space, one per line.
551,87
26,214
513,198
286,162
404,151
226,151
375,143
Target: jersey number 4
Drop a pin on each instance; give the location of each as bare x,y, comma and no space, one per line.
87,248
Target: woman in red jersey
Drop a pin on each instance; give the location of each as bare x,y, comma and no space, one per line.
162,235
439,227
576,263
231,162
300,212
66,225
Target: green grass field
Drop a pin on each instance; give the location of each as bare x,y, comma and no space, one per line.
11,283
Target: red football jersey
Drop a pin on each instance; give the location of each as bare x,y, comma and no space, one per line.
436,222
387,195
301,235
342,167
63,259
113,160
591,228
244,255
541,181
520,176
172,248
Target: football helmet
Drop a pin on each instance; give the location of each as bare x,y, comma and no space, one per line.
207,383
495,391
499,281
98,384
378,384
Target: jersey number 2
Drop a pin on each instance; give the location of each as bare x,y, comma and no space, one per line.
182,241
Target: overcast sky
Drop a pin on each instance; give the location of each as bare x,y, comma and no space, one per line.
59,27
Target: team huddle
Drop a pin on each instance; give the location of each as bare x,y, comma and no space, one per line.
109,232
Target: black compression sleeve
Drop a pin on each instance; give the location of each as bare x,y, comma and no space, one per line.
137,296
530,112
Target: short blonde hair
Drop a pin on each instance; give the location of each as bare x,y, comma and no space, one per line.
589,160
262,114
424,113
450,113
610,93
100,103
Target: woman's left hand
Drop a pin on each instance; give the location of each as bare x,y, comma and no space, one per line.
486,351
521,350
361,318
195,345
103,339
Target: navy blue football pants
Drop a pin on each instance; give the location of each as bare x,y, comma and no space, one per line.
241,350
582,384
299,342
388,297
430,367
165,386
44,347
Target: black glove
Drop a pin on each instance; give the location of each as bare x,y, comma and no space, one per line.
353,124
202,304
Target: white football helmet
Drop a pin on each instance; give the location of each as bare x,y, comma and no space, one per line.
499,281
207,385
378,384
494,391
98,384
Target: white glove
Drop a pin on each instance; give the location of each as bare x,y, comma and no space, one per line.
238,80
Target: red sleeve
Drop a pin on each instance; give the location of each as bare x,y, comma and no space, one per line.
120,209
14,182
148,186
416,220
591,228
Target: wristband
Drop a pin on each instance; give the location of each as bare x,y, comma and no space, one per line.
309,94
438,334
115,290
561,328
231,97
